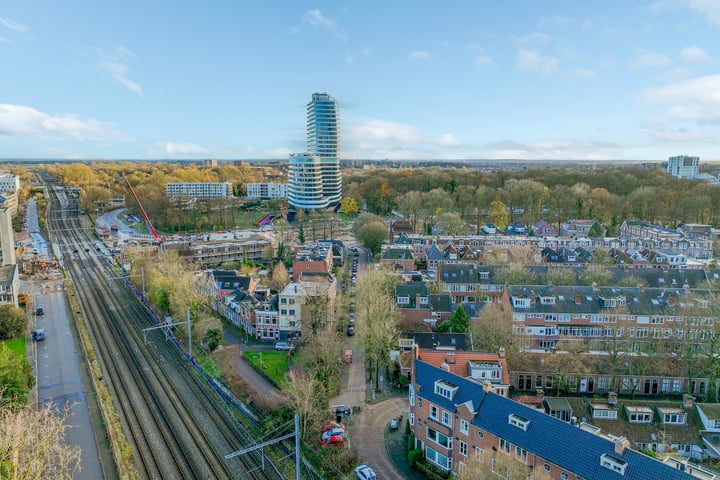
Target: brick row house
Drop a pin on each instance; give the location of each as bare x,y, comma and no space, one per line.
419,308
455,417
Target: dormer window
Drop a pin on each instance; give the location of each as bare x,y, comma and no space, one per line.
612,463
547,300
518,421
521,302
403,300
445,389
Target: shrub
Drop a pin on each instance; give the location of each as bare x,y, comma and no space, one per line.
414,456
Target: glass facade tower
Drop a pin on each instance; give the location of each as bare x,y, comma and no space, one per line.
323,140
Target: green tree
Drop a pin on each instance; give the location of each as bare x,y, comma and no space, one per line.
15,376
596,274
213,338
492,329
371,231
595,231
12,322
560,276
458,322
301,233
515,275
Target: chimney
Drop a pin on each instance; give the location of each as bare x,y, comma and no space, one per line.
577,300
688,400
612,398
501,352
671,301
487,386
540,394
621,443
595,286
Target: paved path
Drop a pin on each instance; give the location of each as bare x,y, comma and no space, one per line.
368,435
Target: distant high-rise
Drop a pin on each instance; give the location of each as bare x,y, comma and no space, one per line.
323,140
683,166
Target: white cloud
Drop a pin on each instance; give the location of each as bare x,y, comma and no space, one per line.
697,100
482,60
534,38
653,60
115,63
385,139
316,19
532,61
708,8
556,150
23,121
172,148
13,25
554,20
419,55
679,135
694,54
585,73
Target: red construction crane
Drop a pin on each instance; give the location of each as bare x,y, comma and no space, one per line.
147,219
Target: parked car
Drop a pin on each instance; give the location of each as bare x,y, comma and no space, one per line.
284,346
351,331
341,410
335,441
394,424
365,472
332,433
39,311
38,335
331,425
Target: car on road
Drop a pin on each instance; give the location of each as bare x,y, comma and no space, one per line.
351,331
284,346
394,424
365,472
38,335
39,311
341,410
332,425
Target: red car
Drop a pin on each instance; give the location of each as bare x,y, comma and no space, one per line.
334,440
332,425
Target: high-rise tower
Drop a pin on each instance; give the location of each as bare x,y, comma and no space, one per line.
323,140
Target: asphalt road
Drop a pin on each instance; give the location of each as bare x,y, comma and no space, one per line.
60,383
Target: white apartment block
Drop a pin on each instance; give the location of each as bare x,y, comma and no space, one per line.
9,183
683,166
199,190
7,239
272,191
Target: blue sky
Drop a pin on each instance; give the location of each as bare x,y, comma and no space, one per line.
420,79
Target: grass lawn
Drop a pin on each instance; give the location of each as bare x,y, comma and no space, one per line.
274,364
16,345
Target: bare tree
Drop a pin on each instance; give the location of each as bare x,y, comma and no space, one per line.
305,397
501,465
32,444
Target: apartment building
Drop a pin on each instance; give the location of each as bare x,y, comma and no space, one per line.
200,190
272,191
305,304
312,257
454,418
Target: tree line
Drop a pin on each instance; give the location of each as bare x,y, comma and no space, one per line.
609,196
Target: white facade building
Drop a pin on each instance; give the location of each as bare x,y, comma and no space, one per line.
305,188
7,239
273,191
199,190
683,166
9,183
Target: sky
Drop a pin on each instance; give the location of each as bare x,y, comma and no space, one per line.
460,80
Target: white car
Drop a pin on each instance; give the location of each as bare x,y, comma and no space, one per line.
365,472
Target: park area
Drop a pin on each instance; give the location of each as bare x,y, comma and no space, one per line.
272,364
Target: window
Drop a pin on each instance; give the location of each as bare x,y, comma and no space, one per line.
676,386
463,448
403,300
434,412
546,467
437,437
446,418
676,418
521,453
411,394
464,426
412,419
437,458
481,435
445,389
612,463
564,476
505,446
666,385
602,383
518,421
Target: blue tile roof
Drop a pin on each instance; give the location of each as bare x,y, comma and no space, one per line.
560,443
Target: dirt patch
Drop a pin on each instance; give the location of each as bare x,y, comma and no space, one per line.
245,382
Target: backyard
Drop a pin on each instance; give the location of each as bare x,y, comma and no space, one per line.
272,364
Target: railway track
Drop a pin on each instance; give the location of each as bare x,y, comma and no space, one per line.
178,426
